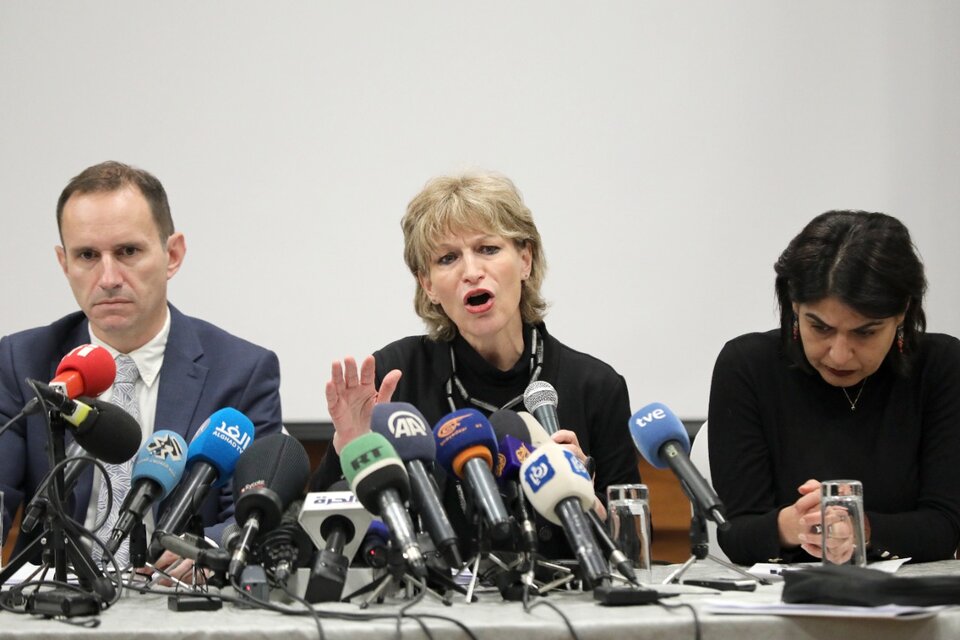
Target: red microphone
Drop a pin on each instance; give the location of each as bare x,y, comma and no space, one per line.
88,370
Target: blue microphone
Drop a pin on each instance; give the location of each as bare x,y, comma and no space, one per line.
211,458
663,441
156,471
466,449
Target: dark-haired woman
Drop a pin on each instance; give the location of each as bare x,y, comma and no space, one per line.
850,386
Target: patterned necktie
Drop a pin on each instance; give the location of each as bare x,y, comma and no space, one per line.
125,397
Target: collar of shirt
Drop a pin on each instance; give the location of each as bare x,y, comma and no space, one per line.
149,357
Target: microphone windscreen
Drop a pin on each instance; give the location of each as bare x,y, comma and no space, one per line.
510,457
162,459
538,435
277,463
370,464
552,474
654,425
219,442
464,431
95,366
538,394
405,427
112,436
506,422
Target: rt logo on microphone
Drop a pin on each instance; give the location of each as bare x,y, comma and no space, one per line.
404,423
648,418
365,458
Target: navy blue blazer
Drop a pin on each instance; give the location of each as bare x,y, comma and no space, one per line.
204,369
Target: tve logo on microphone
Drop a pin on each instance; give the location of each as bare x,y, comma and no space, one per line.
650,417
539,474
405,423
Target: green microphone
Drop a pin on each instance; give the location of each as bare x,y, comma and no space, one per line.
376,476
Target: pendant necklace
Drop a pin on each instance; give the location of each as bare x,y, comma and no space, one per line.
853,402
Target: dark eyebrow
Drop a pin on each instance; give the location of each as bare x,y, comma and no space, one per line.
818,319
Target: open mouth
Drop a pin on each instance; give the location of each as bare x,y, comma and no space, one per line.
478,300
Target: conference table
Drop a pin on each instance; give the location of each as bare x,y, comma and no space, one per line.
148,617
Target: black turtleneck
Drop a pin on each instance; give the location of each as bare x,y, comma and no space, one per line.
773,425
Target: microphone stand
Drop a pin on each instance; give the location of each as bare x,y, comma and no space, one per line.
397,576
62,548
700,547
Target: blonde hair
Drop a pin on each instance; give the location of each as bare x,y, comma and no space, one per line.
480,201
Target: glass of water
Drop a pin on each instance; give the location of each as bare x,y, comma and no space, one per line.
841,510
628,521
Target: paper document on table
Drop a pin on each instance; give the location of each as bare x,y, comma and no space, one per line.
887,612
27,571
774,572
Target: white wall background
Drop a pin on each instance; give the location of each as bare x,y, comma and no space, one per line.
669,151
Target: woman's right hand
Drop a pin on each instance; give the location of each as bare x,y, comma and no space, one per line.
798,522
351,397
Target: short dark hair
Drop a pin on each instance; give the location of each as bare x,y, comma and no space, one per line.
112,176
867,261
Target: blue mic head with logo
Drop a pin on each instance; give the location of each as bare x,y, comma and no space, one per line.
162,458
404,426
462,436
653,426
220,440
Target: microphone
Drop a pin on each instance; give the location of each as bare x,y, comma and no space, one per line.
538,435
662,441
107,432
38,504
406,429
333,520
373,548
157,470
559,488
615,556
211,458
268,477
466,448
194,548
377,477
88,370
512,451
540,399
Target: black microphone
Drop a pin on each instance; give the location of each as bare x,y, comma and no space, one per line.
195,549
540,399
406,429
269,476
615,556
38,504
663,441
103,429
211,458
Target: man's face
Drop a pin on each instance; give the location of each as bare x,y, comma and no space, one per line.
117,266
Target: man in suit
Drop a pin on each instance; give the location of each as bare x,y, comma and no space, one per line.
119,249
